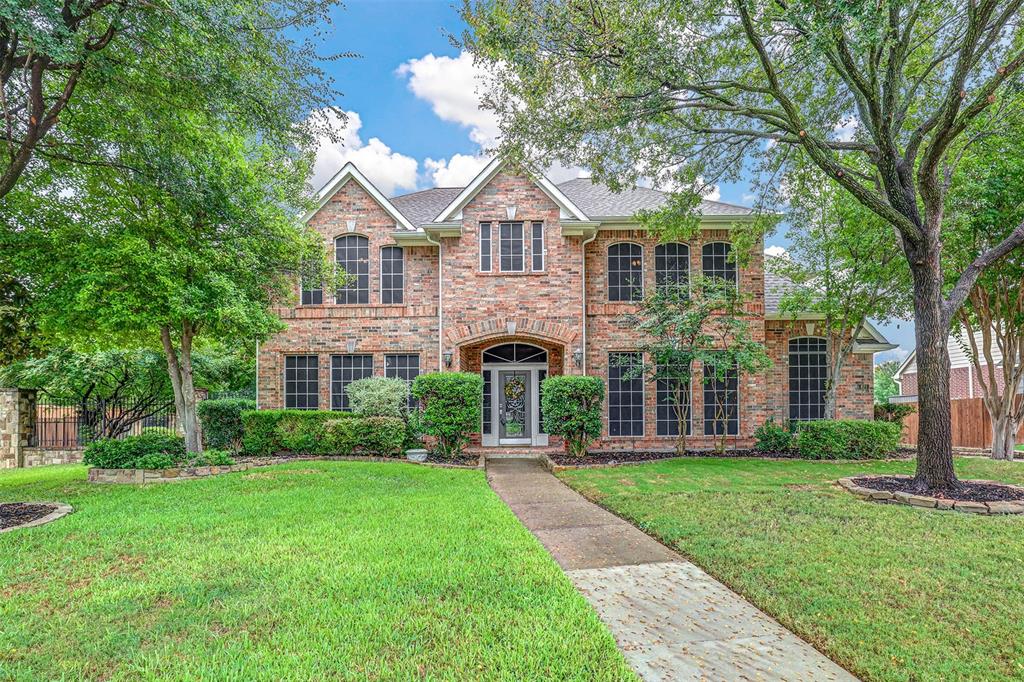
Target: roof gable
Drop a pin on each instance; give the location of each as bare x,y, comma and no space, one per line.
452,211
349,172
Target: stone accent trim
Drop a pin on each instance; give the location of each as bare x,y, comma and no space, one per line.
61,511
144,476
36,457
926,502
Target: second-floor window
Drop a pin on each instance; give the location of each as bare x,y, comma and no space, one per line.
392,275
715,261
537,246
312,292
625,272
485,247
672,265
352,254
510,244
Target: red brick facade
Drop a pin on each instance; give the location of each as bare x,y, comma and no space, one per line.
546,309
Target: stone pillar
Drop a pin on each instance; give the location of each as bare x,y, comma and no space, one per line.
17,423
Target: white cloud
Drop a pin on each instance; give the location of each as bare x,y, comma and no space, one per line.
558,173
776,251
451,86
456,171
387,169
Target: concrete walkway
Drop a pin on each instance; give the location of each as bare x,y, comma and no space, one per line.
671,619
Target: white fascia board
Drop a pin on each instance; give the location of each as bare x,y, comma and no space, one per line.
350,172
453,211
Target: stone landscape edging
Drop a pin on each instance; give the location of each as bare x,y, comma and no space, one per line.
927,502
177,474
60,512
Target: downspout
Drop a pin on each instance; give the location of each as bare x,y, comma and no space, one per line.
440,301
583,277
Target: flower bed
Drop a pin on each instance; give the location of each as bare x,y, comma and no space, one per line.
15,515
974,497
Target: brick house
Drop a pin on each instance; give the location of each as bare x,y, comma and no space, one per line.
518,279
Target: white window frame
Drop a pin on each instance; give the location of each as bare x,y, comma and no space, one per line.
380,261
534,224
489,228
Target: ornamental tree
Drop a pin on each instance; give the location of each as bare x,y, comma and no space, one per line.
877,95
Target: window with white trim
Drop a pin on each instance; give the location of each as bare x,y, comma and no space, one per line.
392,275
301,382
404,366
625,272
715,261
485,247
352,254
625,394
537,252
672,265
344,370
808,370
510,245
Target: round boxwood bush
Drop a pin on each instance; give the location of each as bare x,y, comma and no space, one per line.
451,404
572,410
378,397
222,422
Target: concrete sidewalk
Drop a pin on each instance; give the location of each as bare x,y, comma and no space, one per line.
671,619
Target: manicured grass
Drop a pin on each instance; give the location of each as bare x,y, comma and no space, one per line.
890,592
309,570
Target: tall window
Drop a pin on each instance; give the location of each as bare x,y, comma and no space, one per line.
301,382
485,247
510,242
625,394
625,272
392,275
721,400
673,406
716,262
405,367
808,370
672,265
312,292
537,247
344,370
486,407
352,254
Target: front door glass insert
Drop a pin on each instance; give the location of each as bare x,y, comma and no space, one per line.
513,398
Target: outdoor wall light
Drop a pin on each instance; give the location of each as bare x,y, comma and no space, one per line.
577,357
448,359
351,345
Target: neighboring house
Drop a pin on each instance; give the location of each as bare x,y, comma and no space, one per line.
963,377
517,278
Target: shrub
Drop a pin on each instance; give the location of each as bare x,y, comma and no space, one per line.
212,458
847,439
126,453
572,410
773,437
310,432
893,412
450,408
222,421
378,397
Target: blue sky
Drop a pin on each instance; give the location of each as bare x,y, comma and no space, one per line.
412,115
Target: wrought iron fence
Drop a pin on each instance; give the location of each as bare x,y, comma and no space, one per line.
245,394
76,423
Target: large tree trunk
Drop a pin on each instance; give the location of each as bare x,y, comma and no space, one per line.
179,367
1002,437
934,432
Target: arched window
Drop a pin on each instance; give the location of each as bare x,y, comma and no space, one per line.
515,352
625,272
715,261
808,369
352,254
392,275
672,265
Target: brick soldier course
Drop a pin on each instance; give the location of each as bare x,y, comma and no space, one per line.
452,309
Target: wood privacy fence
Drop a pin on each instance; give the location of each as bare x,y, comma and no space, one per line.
972,427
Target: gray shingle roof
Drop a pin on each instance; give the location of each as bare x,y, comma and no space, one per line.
597,200
422,207
775,287
592,198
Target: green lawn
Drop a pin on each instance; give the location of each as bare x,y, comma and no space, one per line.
890,592
311,570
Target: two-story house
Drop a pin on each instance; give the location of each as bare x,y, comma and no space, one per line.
517,278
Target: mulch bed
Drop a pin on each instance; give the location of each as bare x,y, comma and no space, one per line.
612,457
460,460
966,491
18,513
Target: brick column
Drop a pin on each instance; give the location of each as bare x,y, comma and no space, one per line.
17,421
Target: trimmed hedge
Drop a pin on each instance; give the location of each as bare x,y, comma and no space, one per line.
773,437
572,410
847,439
312,432
222,421
153,449
451,408
378,397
